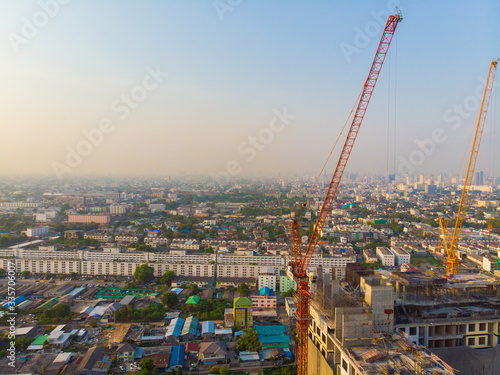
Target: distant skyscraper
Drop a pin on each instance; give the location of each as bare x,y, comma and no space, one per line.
480,178
421,179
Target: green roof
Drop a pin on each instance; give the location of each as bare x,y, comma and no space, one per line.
40,340
243,301
281,341
270,330
193,300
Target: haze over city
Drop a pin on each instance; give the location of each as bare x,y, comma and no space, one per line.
182,87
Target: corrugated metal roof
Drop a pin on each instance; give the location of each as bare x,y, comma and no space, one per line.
177,356
207,327
190,326
175,327
270,330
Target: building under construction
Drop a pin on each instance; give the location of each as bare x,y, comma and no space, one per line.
351,332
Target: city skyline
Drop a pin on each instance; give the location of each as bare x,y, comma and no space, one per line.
166,88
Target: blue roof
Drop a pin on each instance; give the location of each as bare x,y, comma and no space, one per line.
177,290
266,291
177,356
175,327
207,327
139,352
16,301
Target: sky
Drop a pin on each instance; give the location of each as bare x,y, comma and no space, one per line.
239,87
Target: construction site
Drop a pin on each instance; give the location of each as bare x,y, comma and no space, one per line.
385,322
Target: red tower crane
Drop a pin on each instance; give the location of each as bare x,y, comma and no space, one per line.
300,261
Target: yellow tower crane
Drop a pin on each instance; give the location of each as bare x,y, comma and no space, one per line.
450,243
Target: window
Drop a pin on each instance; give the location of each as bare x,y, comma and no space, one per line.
413,331
471,341
482,326
472,327
344,364
482,340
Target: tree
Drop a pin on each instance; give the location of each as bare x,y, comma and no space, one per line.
168,277
170,299
147,364
25,274
289,293
214,370
244,290
249,340
144,273
209,250
2,272
93,323
224,371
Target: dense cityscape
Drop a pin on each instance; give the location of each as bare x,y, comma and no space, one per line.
249,188
116,271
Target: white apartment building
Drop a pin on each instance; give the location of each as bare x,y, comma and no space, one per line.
37,231
157,207
119,209
401,256
238,270
267,277
185,244
102,237
125,238
290,306
116,261
385,256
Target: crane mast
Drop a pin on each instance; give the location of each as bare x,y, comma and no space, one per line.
300,261
451,242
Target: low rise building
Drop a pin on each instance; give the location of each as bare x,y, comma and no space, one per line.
386,257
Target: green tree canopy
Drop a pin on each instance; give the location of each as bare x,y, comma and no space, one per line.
249,340
144,273
168,277
244,290
170,299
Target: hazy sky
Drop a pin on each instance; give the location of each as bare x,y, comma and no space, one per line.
180,86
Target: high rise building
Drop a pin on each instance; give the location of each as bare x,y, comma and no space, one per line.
480,178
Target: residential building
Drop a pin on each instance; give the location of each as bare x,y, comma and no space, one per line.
125,353
290,306
264,302
401,256
119,209
385,256
286,282
370,256
267,278
243,312
212,353
37,231
82,219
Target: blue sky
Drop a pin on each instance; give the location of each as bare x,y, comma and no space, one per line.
230,68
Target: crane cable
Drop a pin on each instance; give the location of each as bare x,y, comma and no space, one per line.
460,169
333,148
